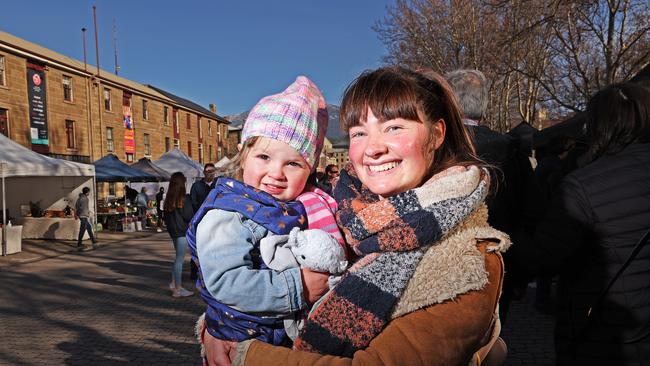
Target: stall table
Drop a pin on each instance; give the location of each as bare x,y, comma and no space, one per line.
14,241
64,228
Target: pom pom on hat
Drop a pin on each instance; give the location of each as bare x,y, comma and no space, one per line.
297,117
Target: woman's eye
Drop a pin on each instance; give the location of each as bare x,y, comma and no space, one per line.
393,128
356,134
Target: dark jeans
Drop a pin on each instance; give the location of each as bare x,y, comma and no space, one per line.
85,225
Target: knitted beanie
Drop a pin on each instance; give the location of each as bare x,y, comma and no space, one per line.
297,117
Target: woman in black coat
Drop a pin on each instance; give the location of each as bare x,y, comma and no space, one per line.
595,220
178,214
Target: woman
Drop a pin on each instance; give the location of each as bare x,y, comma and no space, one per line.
600,212
178,214
411,206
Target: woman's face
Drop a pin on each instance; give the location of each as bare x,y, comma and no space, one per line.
275,168
392,157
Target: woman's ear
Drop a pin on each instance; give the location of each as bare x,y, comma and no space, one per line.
438,131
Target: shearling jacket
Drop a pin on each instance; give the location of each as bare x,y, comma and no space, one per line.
446,313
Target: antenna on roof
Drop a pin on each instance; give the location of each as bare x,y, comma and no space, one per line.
117,65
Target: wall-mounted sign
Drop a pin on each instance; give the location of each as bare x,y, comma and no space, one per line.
37,99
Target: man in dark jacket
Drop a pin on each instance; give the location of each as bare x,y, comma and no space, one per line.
82,212
600,213
199,191
515,201
201,188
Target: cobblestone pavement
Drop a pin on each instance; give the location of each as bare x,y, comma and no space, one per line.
111,306
529,334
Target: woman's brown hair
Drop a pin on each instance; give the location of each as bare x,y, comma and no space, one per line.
175,193
397,92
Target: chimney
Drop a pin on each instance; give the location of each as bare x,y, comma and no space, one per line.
213,108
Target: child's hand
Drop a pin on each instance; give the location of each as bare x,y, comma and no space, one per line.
314,285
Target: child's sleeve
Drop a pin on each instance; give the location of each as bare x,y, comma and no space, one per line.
223,247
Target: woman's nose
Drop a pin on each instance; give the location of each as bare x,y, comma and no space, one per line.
375,147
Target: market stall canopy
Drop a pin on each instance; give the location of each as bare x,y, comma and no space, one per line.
19,161
176,161
147,166
111,169
523,134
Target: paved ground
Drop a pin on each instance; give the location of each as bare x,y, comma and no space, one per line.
111,306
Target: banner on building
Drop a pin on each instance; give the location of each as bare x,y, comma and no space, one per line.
129,133
37,98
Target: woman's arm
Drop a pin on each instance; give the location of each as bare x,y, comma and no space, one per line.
448,333
224,245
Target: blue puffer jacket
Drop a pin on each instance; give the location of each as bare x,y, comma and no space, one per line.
245,299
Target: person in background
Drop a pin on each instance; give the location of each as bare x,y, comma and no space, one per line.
331,173
599,214
516,198
178,214
82,212
199,191
141,202
159,201
201,188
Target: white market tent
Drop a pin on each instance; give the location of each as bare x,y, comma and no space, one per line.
29,176
222,163
175,160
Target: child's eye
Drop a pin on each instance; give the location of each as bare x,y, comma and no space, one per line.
295,164
263,156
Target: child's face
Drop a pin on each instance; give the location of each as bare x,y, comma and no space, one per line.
275,168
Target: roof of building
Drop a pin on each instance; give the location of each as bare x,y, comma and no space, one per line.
39,53
189,104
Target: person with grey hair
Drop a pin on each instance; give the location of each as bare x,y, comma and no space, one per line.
516,201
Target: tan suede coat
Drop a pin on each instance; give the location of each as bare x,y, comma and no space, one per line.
446,314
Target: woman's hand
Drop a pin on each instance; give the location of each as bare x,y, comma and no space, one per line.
217,351
314,284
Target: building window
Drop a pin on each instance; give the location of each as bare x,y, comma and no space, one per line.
219,134
67,88
109,139
218,153
147,145
189,149
198,120
210,153
69,133
189,121
129,157
200,153
4,122
111,189
209,128
166,116
145,109
177,143
3,79
167,144
107,99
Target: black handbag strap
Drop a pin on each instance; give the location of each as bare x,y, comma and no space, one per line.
637,248
578,338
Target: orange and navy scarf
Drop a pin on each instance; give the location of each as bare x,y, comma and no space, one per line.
392,234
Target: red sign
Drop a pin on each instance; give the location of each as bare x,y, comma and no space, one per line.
129,141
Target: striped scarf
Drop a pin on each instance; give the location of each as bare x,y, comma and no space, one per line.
392,234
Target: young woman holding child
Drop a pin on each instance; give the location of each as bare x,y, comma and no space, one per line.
425,288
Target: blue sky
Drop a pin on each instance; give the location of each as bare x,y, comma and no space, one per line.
226,52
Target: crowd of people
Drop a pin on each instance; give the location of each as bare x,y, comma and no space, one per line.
412,253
